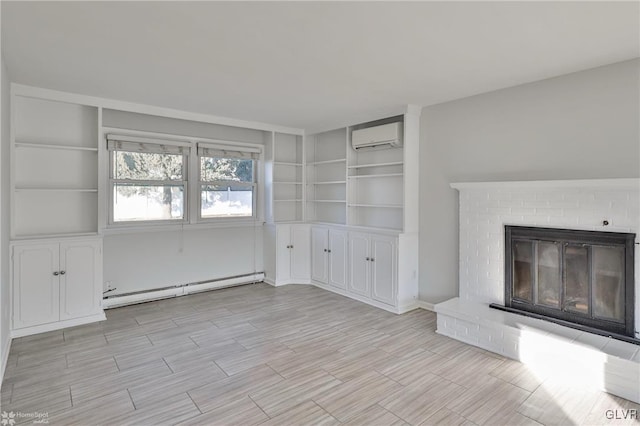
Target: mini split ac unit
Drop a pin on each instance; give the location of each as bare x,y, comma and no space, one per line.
384,136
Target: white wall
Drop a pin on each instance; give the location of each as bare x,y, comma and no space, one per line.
129,120
144,261
150,260
577,126
5,299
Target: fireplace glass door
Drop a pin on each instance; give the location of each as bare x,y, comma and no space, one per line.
583,277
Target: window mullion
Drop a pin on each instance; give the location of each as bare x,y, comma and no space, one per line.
150,182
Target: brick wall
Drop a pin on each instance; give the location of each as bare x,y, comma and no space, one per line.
486,208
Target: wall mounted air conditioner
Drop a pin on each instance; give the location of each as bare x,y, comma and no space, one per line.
384,136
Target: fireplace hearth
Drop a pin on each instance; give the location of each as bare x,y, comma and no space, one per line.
582,279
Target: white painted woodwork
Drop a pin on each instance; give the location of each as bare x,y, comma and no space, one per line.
300,253
337,258
359,264
383,269
80,286
372,267
312,179
54,166
326,189
319,254
55,284
329,256
283,253
292,255
35,287
284,177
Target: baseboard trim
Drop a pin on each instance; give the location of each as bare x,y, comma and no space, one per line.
362,299
27,331
427,306
151,295
273,283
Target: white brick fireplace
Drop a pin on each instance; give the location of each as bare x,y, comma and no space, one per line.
485,208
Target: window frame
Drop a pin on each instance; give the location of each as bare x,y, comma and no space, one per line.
254,184
112,181
192,216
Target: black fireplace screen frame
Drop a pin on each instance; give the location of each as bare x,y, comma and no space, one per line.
562,316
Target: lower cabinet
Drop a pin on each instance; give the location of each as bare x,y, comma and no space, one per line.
329,256
291,264
373,266
56,284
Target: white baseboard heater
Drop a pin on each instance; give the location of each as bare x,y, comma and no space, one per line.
124,299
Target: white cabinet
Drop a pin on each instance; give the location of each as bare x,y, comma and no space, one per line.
319,261
372,266
292,254
80,285
329,256
383,269
56,284
36,290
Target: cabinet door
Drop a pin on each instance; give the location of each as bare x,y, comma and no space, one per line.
80,279
283,253
383,261
300,253
36,290
359,265
338,259
319,244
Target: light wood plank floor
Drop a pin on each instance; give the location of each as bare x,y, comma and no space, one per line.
293,355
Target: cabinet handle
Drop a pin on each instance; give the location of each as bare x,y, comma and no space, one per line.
368,259
329,251
290,246
56,273
372,259
63,272
325,250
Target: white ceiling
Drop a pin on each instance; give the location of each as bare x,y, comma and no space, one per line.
307,65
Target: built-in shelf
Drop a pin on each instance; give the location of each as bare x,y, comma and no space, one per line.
287,183
328,201
319,163
364,166
375,206
51,146
56,190
284,163
380,175
293,200
334,182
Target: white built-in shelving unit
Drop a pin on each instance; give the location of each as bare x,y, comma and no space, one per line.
376,186
363,188
285,177
54,168
326,155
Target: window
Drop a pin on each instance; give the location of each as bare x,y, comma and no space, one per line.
227,181
148,181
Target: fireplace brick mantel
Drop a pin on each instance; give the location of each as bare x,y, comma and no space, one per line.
610,205
485,207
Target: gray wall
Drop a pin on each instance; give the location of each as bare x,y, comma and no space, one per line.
582,125
5,300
